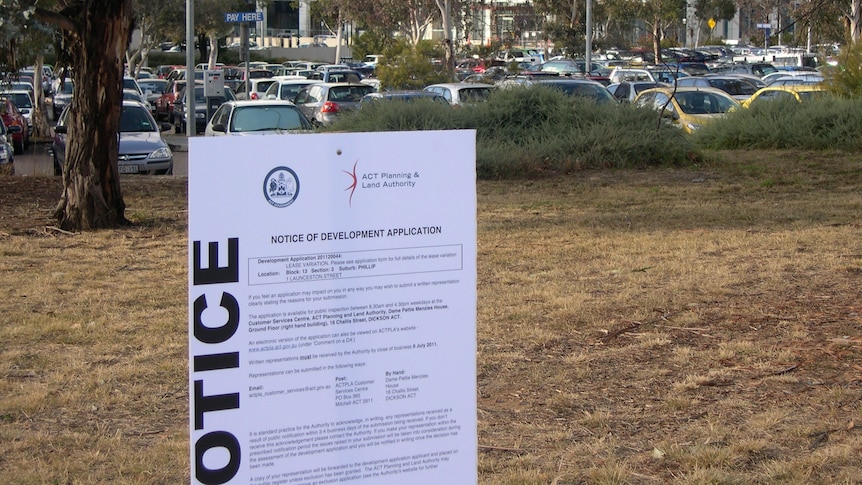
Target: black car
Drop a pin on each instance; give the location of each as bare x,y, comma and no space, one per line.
204,108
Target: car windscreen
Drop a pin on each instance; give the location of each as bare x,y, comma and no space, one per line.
474,94
136,119
267,118
698,102
348,94
21,100
156,88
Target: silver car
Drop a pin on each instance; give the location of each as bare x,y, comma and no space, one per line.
321,103
142,148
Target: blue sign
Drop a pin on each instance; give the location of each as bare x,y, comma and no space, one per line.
243,17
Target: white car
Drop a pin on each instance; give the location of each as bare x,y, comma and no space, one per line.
461,93
264,117
286,87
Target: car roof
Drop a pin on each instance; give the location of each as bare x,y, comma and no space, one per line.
260,102
461,85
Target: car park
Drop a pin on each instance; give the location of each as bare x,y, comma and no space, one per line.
141,148
458,94
322,103
264,117
626,92
204,107
286,88
687,108
12,117
791,92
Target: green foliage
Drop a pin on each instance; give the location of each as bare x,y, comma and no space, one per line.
824,123
373,41
846,79
538,131
409,67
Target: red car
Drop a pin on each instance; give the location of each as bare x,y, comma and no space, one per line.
165,103
13,117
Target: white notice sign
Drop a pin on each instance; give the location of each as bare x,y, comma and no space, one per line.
332,295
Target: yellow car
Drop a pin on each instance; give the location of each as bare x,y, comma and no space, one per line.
798,92
688,108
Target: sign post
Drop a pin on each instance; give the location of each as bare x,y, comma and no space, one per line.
767,29
244,19
332,308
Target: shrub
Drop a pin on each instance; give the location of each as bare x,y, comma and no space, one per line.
817,124
845,79
538,131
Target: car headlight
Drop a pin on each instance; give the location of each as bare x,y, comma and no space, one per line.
4,152
692,126
163,152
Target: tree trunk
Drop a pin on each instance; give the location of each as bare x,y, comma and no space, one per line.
40,124
98,35
213,59
855,19
445,7
656,40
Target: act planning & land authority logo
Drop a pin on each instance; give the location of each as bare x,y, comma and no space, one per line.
281,187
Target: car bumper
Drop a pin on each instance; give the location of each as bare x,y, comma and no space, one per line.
145,166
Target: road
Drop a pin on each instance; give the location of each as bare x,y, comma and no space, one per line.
36,160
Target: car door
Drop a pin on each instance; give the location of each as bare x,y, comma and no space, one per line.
308,99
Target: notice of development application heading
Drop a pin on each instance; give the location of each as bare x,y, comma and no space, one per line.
332,308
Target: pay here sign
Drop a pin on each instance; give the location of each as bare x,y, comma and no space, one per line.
332,308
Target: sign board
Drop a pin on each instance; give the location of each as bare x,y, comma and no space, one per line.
764,26
711,23
243,17
332,319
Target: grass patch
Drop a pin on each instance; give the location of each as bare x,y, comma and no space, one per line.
660,325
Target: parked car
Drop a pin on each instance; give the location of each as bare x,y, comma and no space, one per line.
62,95
24,102
141,150
758,69
7,151
286,88
740,88
401,96
13,117
264,117
253,88
689,108
203,107
153,88
626,92
165,103
336,76
458,94
580,87
132,95
795,92
321,103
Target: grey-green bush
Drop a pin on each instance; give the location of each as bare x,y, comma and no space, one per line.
539,131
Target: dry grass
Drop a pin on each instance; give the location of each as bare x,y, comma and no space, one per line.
687,326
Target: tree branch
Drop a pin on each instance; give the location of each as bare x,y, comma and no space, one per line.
55,18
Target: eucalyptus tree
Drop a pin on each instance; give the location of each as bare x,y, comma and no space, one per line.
94,37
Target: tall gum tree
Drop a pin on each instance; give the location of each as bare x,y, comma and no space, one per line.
96,35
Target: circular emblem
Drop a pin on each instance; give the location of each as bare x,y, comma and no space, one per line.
281,186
